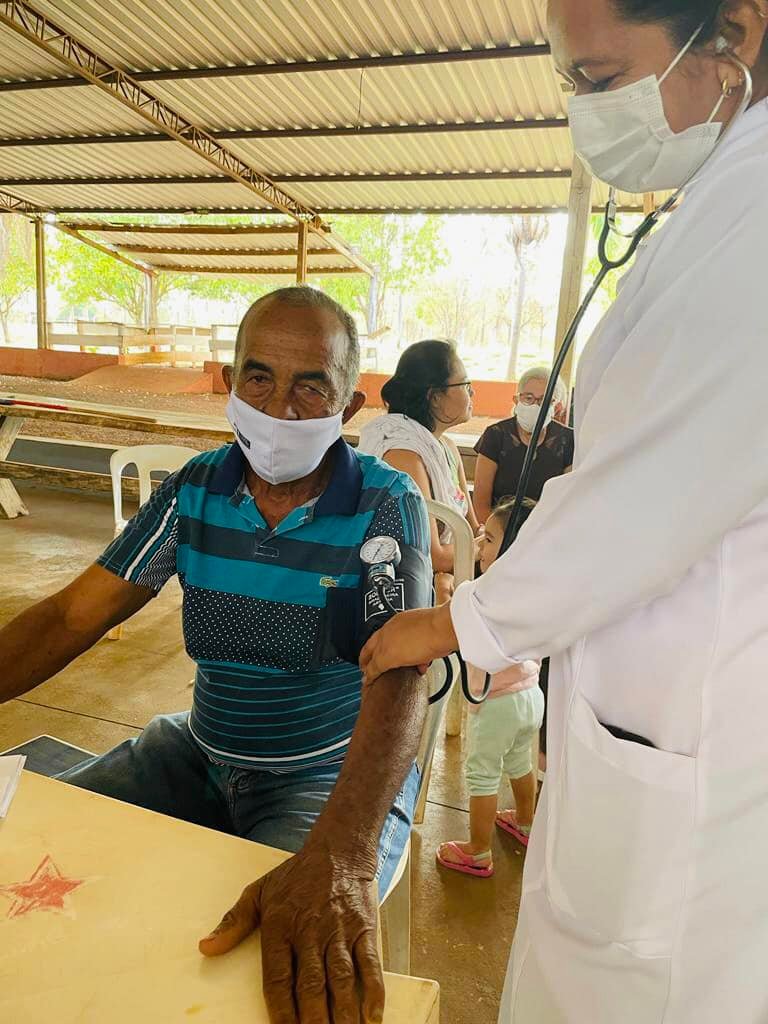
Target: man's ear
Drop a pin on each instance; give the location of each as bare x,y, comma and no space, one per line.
226,373
355,405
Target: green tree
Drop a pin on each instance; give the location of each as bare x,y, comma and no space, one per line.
17,266
84,275
402,250
524,234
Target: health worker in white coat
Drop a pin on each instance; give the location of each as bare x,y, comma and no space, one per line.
644,572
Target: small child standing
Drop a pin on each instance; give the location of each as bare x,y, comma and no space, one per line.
500,735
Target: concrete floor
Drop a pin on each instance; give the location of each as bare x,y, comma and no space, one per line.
462,927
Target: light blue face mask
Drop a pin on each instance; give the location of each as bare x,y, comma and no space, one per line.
623,135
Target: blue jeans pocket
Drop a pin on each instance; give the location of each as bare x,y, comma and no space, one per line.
397,829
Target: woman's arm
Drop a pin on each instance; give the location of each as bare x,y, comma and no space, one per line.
411,463
485,475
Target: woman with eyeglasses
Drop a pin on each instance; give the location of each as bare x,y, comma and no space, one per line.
502,447
428,395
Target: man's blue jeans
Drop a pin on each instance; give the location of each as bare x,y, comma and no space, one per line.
165,770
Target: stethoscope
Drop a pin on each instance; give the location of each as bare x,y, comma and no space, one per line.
381,575
607,264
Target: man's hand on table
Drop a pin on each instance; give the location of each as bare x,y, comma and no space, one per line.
318,918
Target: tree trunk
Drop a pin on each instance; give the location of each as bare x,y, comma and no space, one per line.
372,310
514,344
4,325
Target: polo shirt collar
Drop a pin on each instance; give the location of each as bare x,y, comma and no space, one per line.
229,473
340,498
342,495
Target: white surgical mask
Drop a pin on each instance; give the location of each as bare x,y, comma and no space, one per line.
528,414
281,450
623,135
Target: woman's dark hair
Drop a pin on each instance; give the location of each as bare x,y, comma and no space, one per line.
682,16
424,367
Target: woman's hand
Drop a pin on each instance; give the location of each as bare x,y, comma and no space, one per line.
410,639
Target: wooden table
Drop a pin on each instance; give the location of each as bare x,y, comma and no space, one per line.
108,931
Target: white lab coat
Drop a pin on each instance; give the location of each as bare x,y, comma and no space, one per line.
645,895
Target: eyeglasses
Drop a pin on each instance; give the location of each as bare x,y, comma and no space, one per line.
462,384
526,398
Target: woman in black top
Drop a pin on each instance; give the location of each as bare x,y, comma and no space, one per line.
501,450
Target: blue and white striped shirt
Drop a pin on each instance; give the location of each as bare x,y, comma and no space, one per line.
266,612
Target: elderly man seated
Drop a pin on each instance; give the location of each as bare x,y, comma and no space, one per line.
265,536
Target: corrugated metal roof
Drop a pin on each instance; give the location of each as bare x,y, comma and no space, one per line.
75,111
79,161
22,60
444,195
144,34
484,90
243,263
487,90
392,154
202,239
97,197
265,248
147,35
450,195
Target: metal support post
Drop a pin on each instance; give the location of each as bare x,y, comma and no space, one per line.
41,306
301,254
579,214
150,299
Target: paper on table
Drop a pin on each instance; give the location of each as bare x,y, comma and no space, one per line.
10,773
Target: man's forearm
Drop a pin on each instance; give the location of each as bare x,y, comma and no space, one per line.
380,755
34,646
46,637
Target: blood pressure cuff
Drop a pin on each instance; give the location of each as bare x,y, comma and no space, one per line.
355,613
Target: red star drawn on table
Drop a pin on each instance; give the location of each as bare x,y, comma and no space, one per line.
47,889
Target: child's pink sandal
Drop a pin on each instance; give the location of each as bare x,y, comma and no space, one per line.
479,865
512,828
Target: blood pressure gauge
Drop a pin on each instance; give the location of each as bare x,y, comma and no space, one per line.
380,551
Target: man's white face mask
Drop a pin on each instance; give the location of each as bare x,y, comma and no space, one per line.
623,135
280,451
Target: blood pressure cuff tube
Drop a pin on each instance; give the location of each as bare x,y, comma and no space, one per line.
356,613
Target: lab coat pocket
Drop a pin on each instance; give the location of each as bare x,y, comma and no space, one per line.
620,835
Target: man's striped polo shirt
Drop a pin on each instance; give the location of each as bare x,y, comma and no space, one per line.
266,612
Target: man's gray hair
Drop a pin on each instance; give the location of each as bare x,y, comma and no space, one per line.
542,373
302,296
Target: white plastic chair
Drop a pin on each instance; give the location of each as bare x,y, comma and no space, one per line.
395,907
147,458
